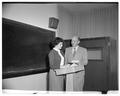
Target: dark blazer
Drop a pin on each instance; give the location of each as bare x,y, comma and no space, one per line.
54,59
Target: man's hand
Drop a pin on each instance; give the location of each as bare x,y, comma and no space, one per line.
74,64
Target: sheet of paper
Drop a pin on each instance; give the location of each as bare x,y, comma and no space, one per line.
69,69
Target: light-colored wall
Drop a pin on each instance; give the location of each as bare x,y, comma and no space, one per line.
33,14
65,28
37,15
97,23
36,82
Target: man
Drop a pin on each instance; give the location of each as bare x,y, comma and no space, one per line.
78,56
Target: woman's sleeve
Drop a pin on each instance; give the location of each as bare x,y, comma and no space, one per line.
51,60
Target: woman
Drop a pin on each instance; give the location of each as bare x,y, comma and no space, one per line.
56,61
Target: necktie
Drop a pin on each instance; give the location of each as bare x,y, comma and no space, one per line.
74,52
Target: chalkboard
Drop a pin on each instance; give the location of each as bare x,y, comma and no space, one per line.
24,48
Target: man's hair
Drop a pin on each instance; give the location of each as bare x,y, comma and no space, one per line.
77,37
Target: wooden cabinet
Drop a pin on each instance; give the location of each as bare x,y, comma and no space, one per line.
101,73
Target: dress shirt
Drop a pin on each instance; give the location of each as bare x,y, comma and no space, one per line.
74,48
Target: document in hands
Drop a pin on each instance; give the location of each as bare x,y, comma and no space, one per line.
75,61
69,69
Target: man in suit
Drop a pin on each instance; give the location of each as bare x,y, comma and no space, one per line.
78,57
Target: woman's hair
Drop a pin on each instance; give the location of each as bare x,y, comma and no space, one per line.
56,41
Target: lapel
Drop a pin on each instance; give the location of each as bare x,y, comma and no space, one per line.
70,50
79,50
62,53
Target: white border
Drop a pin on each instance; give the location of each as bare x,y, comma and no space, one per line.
17,92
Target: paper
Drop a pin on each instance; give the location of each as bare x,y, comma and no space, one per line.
69,69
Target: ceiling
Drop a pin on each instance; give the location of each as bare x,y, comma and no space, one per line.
78,7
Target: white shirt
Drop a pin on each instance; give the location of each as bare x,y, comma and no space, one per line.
61,56
75,61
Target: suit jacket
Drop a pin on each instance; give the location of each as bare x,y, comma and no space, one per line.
81,55
54,59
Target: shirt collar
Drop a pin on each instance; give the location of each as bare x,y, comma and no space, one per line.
76,47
